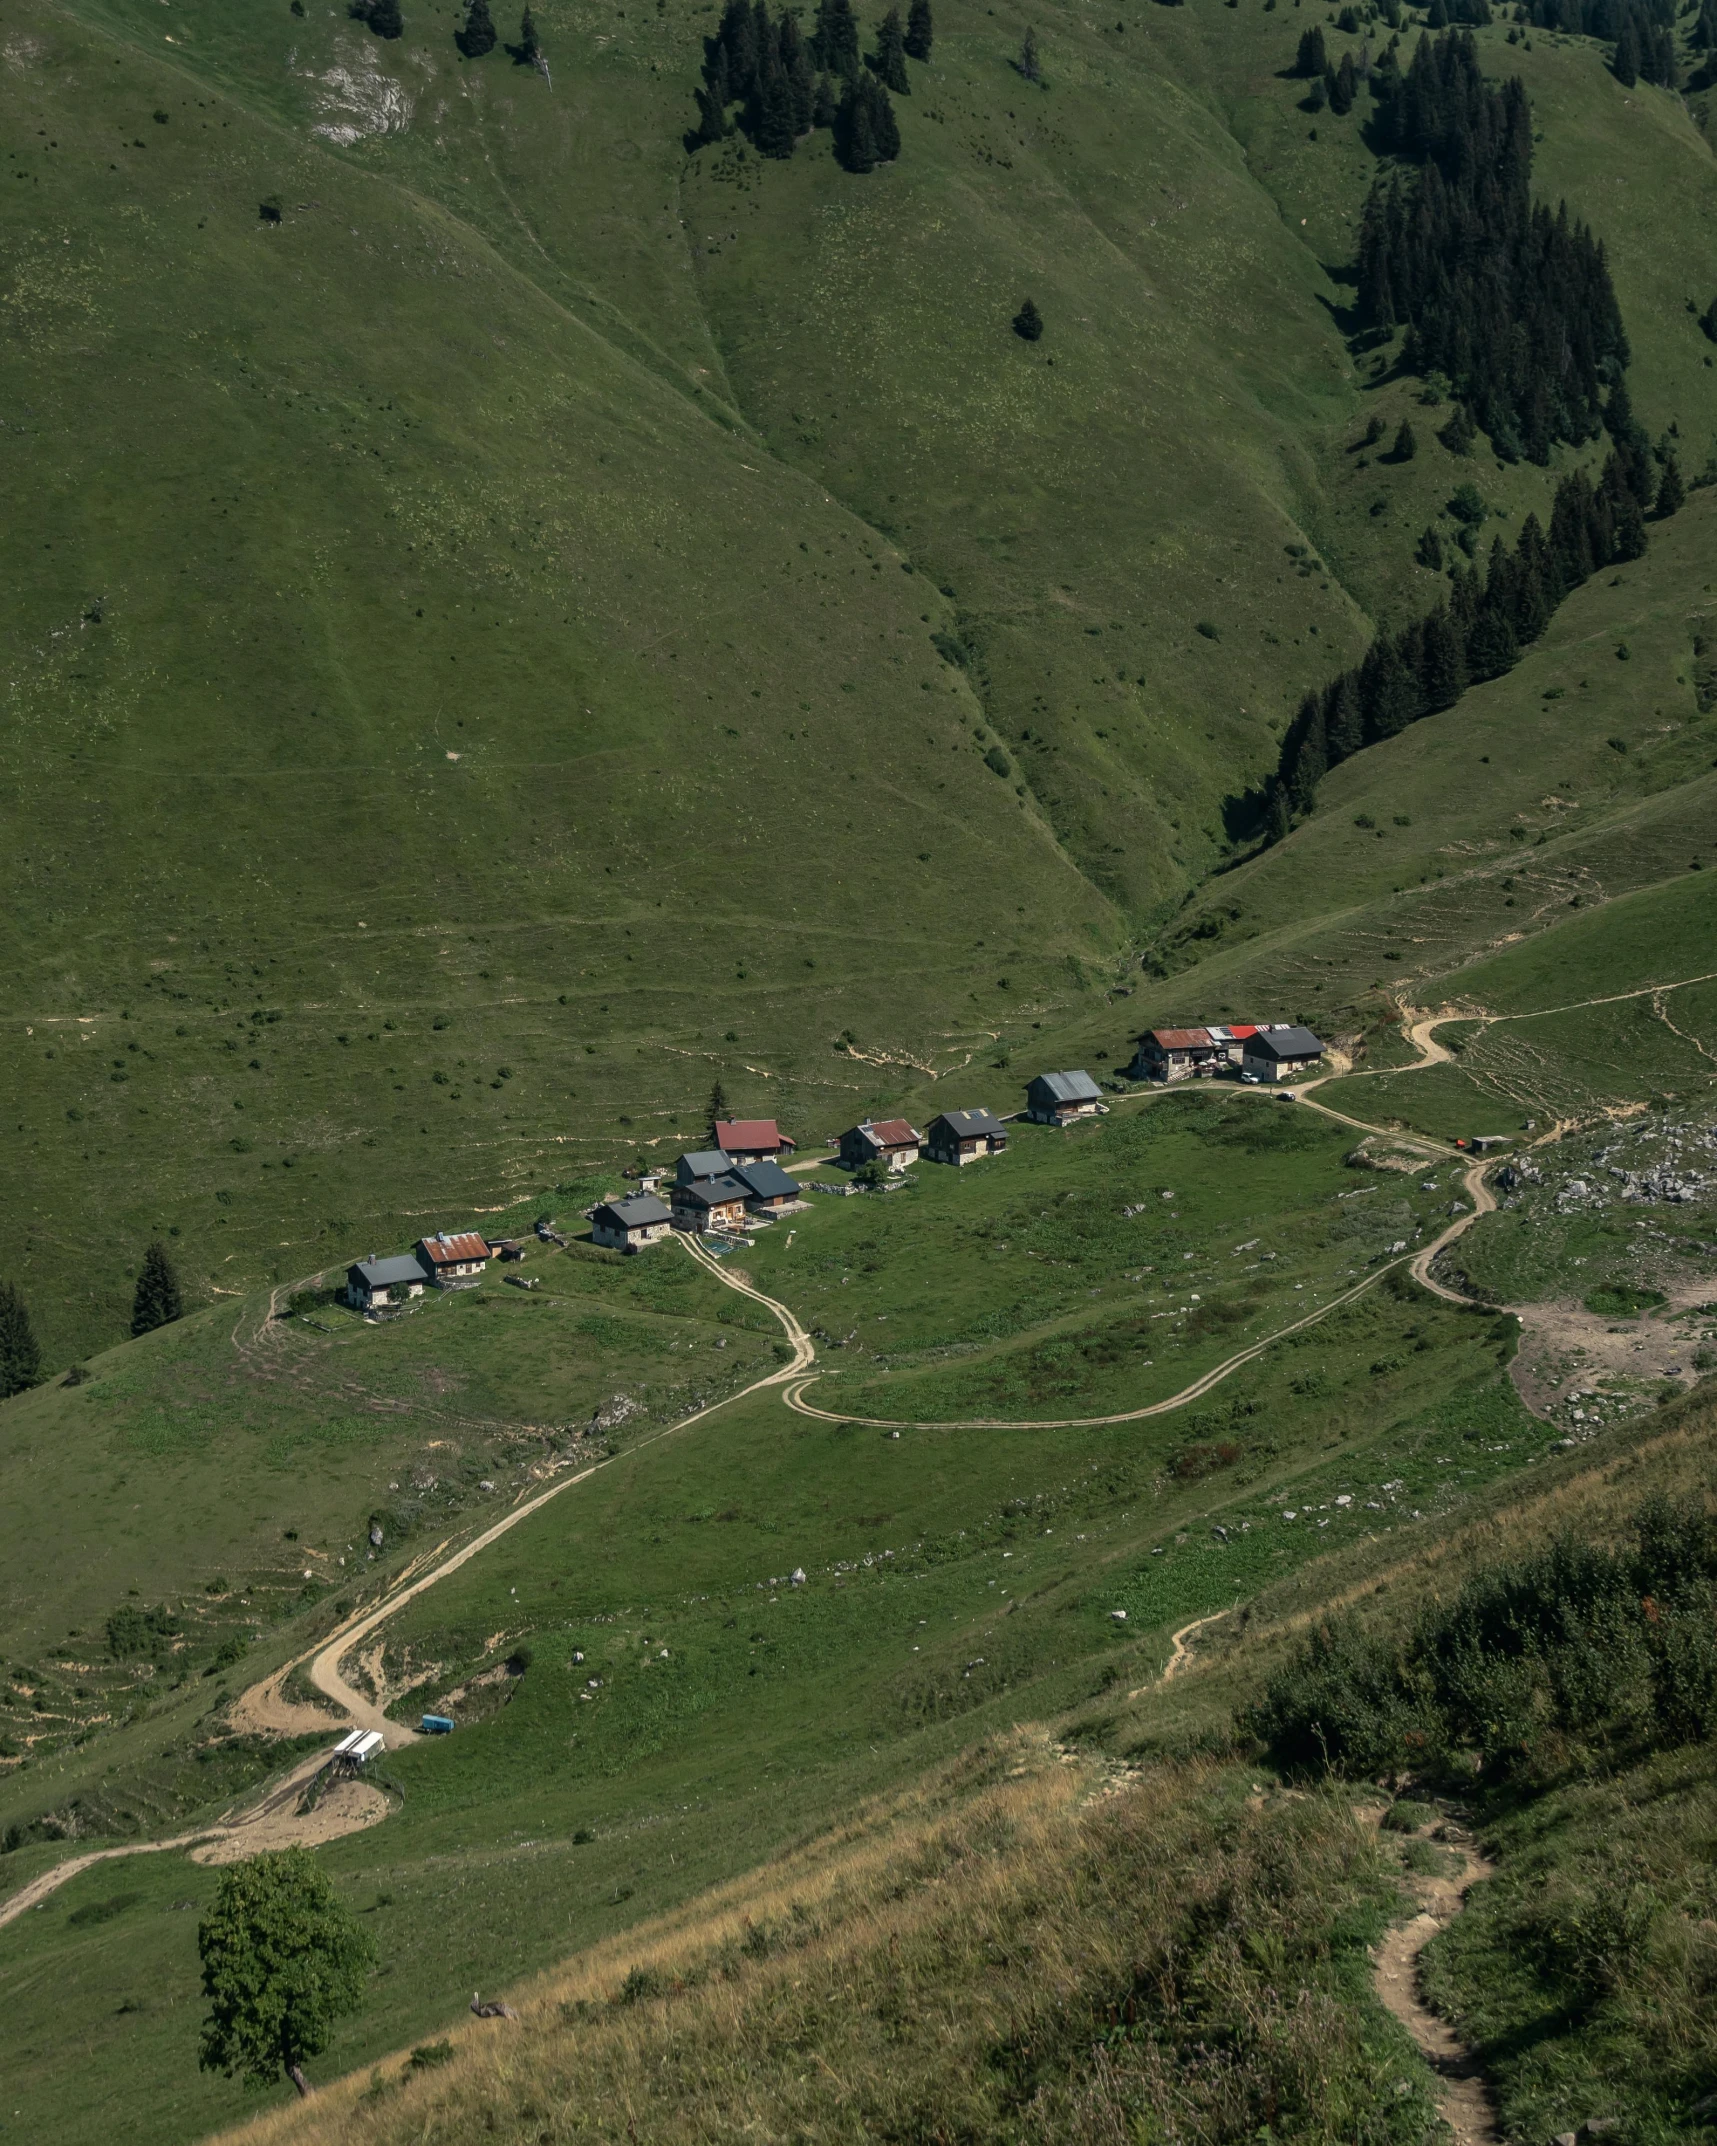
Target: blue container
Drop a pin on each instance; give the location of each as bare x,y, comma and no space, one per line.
436,1725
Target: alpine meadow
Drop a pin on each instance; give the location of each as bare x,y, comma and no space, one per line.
858,1072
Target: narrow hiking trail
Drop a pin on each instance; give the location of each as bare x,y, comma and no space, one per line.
1462,2096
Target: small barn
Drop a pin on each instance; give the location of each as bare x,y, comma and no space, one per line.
711,1203
701,1163
628,1225
1280,1053
1059,1098
768,1188
890,1141
962,1136
454,1262
752,1139
377,1284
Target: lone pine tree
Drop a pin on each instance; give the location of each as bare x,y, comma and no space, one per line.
477,36
20,1357
158,1301
718,1109
888,61
528,50
920,31
1028,62
1406,445
1028,323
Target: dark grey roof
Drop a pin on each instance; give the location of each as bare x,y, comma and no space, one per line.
712,1191
971,1124
703,1162
634,1212
1284,1043
1069,1087
767,1181
386,1273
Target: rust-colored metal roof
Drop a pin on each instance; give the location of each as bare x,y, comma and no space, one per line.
891,1133
446,1251
1181,1039
743,1133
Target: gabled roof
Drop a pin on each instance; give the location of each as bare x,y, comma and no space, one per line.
711,1191
1070,1087
703,1162
889,1133
767,1181
635,1211
1293,1042
972,1124
1177,1039
456,1251
743,1133
387,1273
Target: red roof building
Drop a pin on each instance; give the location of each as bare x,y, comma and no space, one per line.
751,1139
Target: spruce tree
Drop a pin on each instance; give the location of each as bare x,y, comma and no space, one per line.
884,127
920,31
1626,63
1343,86
20,1357
1460,432
1429,551
774,126
383,17
1028,62
1312,59
1028,323
855,147
718,1109
158,1301
796,67
529,51
835,42
1671,491
1406,446
888,61
826,103
477,37
1708,321
1344,719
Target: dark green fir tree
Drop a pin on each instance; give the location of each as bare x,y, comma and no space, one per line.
773,124
888,61
835,41
920,30
1671,490
158,1301
1406,444
796,68
825,103
1429,550
384,18
1029,63
1311,59
1028,323
20,1358
477,36
1627,59
1459,433
529,50
718,1109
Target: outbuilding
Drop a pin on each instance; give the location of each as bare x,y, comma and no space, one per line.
628,1225
752,1139
1283,1053
890,1141
378,1284
962,1136
712,1203
1059,1098
768,1188
454,1262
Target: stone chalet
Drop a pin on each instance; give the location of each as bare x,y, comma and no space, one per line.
377,1284
710,1203
630,1224
454,1262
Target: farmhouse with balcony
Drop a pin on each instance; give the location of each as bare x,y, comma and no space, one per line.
710,1203
456,1262
1283,1053
890,1141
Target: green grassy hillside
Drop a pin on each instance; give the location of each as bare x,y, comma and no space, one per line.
501,593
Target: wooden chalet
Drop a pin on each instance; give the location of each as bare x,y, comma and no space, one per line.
962,1136
752,1139
1059,1098
890,1141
